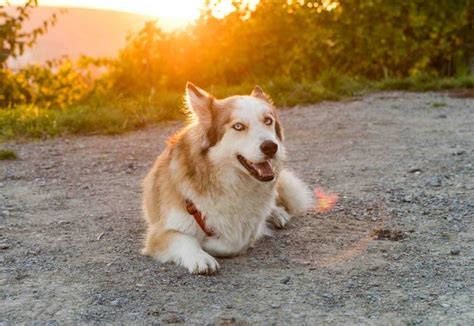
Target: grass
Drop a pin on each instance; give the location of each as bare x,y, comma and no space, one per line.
425,82
115,115
7,154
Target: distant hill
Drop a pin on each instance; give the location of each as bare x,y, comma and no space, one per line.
80,31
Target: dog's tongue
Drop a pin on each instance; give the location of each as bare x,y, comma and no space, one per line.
264,169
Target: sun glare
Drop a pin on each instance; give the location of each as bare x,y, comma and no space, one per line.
171,12
178,10
174,13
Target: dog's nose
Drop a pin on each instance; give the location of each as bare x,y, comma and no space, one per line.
269,148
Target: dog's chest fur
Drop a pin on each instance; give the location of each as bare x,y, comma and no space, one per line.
238,209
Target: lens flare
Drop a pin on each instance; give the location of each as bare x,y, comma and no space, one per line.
325,200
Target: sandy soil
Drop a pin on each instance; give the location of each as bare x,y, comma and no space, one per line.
397,248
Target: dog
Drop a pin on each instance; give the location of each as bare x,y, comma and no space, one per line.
219,181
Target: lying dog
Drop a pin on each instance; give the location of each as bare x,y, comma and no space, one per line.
218,181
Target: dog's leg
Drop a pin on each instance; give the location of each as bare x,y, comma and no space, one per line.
219,248
279,217
294,197
181,249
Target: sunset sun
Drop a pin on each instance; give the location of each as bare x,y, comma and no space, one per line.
180,11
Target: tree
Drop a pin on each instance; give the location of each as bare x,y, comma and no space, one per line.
13,40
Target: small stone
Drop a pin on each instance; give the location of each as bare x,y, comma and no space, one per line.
444,305
173,319
415,170
435,182
455,251
4,246
469,187
407,199
285,280
276,305
227,320
459,152
153,312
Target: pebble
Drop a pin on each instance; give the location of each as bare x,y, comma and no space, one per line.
153,312
444,305
4,246
285,280
459,152
173,319
228,320
275,305
455,251
435,182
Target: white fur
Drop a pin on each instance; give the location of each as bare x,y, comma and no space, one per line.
279,217
296,194
250,112
184,250
238,208
179,220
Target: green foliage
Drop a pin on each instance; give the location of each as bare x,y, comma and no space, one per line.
109,115
7,154
303,40
299,51
104,116
58,84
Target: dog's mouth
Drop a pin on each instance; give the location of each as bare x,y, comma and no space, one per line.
262,171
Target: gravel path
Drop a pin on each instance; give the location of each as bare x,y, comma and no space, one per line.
397,248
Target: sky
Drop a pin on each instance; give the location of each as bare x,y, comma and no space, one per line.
179,10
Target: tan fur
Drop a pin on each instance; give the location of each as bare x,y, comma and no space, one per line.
185,171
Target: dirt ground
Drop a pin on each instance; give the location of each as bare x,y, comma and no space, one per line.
396,249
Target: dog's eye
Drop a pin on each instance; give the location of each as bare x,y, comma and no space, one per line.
238,126
268,121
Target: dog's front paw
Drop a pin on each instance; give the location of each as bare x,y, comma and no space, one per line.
279,217
202,263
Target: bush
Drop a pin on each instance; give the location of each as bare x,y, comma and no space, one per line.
58,84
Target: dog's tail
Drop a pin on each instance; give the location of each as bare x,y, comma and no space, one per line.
293,194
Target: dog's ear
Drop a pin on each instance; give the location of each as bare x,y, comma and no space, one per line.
199,102
259,93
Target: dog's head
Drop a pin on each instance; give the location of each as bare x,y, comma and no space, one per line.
240,131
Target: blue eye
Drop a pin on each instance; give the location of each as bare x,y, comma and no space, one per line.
238,126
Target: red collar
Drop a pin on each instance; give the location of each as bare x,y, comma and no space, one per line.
192,210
